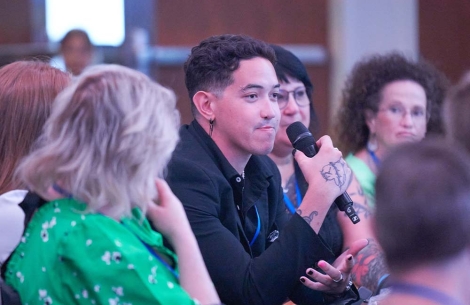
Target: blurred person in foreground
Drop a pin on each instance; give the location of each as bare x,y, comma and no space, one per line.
423,207
387,100
339,233
27,90
232,192
99,167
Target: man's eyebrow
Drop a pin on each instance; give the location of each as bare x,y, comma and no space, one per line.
256,86
251,86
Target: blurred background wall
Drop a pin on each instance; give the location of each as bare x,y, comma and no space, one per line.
328,35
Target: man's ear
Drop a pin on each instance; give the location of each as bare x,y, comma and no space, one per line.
203,101
371,118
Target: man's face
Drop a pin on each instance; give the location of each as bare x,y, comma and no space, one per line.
247,114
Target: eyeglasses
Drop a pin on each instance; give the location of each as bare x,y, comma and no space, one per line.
397,112
300,97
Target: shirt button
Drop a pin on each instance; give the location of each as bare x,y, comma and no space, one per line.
238,179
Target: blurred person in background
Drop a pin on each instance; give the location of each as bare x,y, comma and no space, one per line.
76,52
387,100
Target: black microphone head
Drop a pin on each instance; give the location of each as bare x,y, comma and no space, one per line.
297,132
301,138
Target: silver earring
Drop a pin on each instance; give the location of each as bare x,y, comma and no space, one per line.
372,143
211,126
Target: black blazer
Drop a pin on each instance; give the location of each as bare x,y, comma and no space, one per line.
268,272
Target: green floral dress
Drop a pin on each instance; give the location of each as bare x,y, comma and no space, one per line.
70,256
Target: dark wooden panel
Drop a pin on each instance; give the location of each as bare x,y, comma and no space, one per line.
15,25
443,32
188,22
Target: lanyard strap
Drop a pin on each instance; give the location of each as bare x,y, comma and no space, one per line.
374,158
152,251
258,228
67,194
424,292
289,203
171,269
62,191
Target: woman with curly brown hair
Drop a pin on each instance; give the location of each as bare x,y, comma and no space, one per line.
387,100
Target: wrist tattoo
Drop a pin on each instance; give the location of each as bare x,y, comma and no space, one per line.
308,218
335,171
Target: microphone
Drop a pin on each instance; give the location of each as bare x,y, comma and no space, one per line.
304,141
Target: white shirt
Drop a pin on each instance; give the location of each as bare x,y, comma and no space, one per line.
11,222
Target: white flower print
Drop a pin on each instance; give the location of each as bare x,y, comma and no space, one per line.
89,242
118,291
73,223
44,297
116,257
117,243
44,235
114,301
106,258
96,288
85,294
130,266
45,227
152,278
170,285
20,276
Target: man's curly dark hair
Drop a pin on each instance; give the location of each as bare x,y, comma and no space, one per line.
363,91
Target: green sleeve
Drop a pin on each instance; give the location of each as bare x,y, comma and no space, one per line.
102,262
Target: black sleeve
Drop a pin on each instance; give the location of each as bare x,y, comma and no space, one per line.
240,279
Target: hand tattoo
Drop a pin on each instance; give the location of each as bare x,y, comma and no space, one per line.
335,171
308,218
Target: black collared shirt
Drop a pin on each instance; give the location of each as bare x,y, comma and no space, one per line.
223,216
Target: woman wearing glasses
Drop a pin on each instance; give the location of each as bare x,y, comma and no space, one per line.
338,232
387,100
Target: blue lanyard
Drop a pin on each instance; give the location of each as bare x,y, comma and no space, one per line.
374,158
61,191
424,292
65,193
288,202
258,228
152,251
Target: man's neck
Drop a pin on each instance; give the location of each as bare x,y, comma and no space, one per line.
285,164
237,159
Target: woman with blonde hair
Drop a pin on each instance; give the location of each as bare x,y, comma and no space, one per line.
102,156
